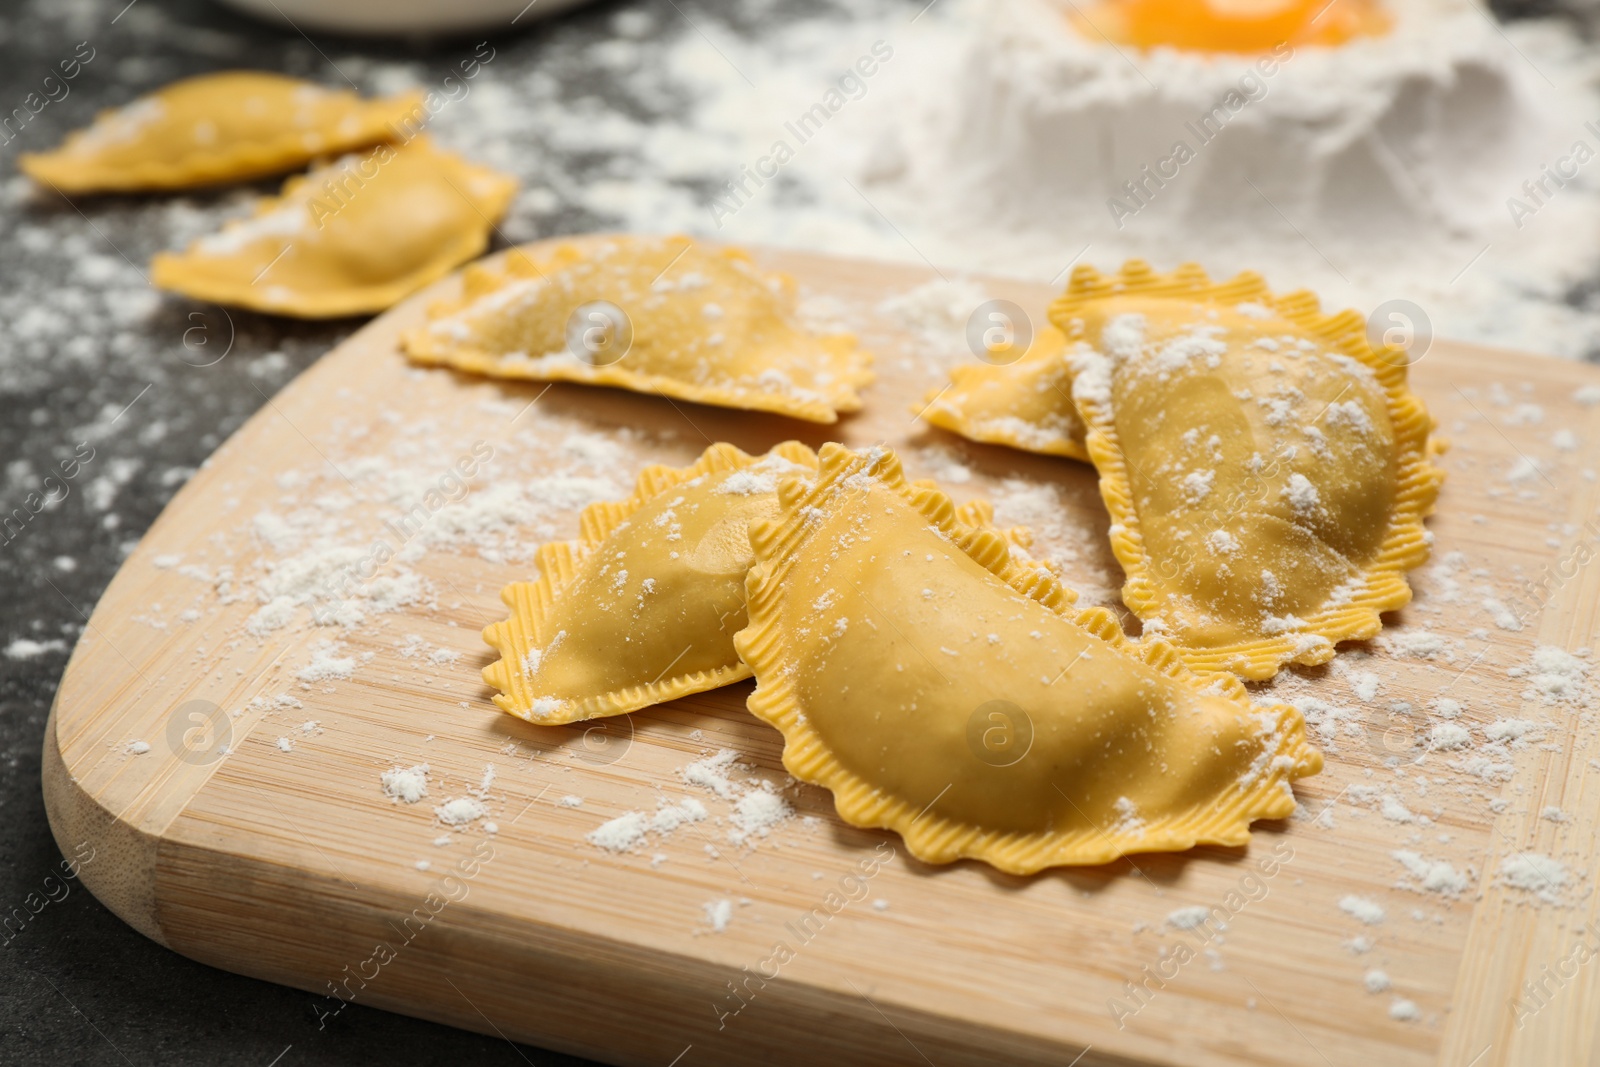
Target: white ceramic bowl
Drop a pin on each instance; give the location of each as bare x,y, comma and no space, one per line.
400,17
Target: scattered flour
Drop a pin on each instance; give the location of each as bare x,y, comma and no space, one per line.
406,784
620,834
718,913
937,310
628,831
1405,1011
1420,643
326,664
1448,736
1364,684
1367,911
1393,810
26,648
1430,876
712,773
1515,732
460,811
758,813
1188,918
758,808
1535,873
1556,676
275,614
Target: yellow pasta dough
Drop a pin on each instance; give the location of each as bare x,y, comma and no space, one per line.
350,238
941,691
1267,471
979,514
655,315
1026,404
214,128
643,608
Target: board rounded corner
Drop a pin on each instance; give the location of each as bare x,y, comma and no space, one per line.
113,860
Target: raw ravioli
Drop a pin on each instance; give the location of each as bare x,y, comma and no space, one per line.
655,315
1267,471
644,607
1026,404
942,691
350,238
225,127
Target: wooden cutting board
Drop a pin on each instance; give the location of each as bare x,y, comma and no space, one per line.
291,864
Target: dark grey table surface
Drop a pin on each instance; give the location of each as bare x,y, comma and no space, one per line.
76,985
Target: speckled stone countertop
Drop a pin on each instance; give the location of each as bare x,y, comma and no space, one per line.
91,358
93,361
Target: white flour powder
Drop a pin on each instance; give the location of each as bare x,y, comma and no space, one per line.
989,139
1535,873
406,784
1368,911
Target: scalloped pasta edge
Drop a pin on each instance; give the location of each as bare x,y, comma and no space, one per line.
962,424
558,561
182,272
937,839
1405,547
851,363
239,163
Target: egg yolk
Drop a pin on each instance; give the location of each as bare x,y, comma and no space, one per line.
1233,25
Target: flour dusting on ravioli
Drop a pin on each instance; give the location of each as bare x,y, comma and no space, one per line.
644,607
1266,470
230,126
1026,404
352,237
655,315
944,690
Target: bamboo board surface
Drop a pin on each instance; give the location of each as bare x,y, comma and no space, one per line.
294,866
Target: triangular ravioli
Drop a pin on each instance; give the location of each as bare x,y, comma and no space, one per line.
945,693
701,324
350,238
225,127
1026,404
1267,471
644,607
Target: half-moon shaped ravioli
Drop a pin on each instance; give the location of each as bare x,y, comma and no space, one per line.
1026,404
643,608
350,238
943,692
217,128
1267,471
695,323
